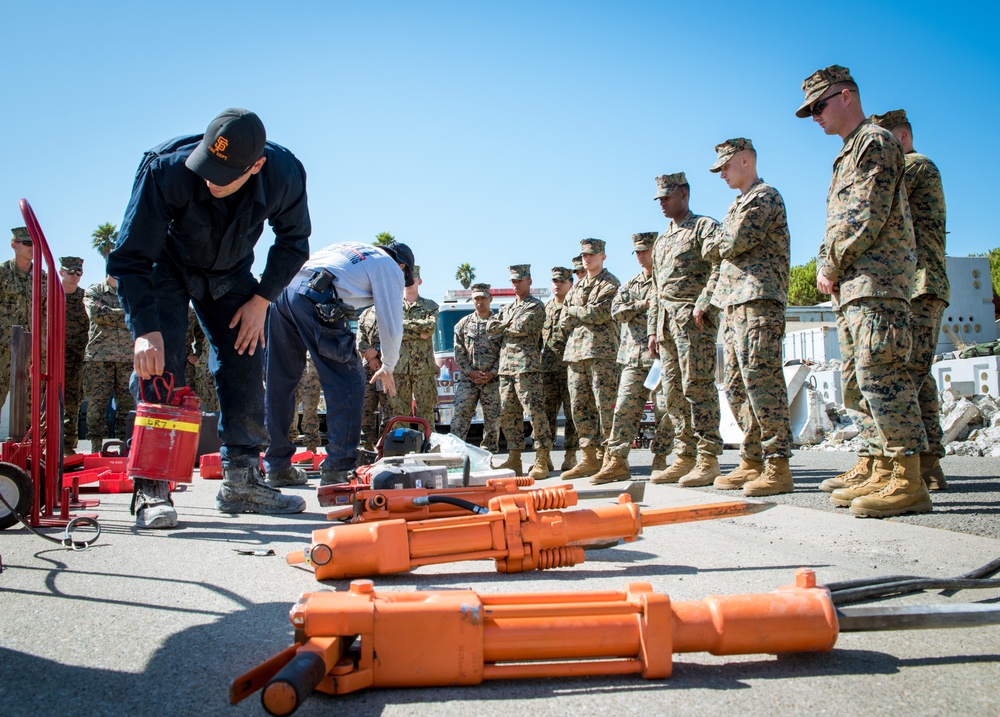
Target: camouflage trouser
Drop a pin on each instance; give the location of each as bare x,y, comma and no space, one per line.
695,349
72,398
375,402
556,396
926,313
307,393
755,383
421,388
593,386
879,394
101,381
467,396
629,407
522,395
669,406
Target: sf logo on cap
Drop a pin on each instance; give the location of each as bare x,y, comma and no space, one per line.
219,147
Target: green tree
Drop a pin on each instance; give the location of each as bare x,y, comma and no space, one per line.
994,255
466,274
802,289
105,237
383,239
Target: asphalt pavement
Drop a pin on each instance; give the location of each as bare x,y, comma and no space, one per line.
160,622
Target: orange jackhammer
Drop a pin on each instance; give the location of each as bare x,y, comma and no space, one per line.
349,641
520,532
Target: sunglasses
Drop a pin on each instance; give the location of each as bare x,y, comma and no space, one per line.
26,242
818,108
74,272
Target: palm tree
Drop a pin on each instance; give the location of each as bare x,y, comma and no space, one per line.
466,274
383,239
105,237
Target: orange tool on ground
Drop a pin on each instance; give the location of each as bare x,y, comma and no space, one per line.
517,533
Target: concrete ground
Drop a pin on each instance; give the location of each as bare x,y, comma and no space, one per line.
160,622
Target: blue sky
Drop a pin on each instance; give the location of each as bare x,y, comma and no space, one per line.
493,133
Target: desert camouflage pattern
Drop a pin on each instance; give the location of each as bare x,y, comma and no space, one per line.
554,368
519,327
420,389
817,83
15,310
307,395
467,396
416,354
630,404
102,381
376,408
77,332
522,396
476,350
519,271
196,372
110,339
592,246
669,407
593,386
925,195
869,248
753,249
630,308
667,184
890,120
727,150
926,313
591,333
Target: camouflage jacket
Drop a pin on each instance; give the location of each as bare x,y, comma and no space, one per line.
753,248
591,333
15,300
367,334
869,249
520,325
110,339
926,197
553,338
475,349
77,325
195,339
630,307
680,272
416,355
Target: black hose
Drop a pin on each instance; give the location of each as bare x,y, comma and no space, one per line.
65,540
451,500
849,591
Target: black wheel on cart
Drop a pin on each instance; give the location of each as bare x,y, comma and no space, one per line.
16,489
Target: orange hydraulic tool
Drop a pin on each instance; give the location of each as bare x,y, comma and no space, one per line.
516,532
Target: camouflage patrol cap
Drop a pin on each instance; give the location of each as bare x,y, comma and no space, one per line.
479,290
519,271
591,246
561,273
71,262
578,263
666,184
19,233
727,150
643,241
818,82
890,120
416,271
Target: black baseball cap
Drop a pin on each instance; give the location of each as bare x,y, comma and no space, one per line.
232,143
402,254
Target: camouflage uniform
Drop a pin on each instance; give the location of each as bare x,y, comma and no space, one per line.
931,289
476,350
591,352
520,326
682,281
307,394
554,370
109,362
416,372
15,310
376,401
77,330
198,375
753,248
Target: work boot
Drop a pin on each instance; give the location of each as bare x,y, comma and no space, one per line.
549,465
681,466
659,465
748,470
329,477
513,462
615,468
540,469
930,471
569,460
775,479
904,493
587,467
244,491
705,471
286,477
151,504
858,474
879,478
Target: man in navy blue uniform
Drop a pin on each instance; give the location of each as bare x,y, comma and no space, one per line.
197,209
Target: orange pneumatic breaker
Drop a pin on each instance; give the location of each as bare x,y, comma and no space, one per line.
520,532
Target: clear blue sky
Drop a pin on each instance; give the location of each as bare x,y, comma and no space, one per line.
493,133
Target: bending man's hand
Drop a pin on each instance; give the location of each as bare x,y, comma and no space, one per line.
250,318
147,355
388,382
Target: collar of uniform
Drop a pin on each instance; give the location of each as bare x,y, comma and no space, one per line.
686,222
758,183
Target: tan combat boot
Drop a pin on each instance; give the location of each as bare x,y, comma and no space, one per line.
587,467
745,472
513,462
615,468
705,471
775,479
681,466
659,465
904,493
858,474
569,460
540,469
930,471
879,478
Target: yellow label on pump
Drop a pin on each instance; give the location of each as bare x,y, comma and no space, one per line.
167,425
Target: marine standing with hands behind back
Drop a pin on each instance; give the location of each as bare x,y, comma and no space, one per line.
416,373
